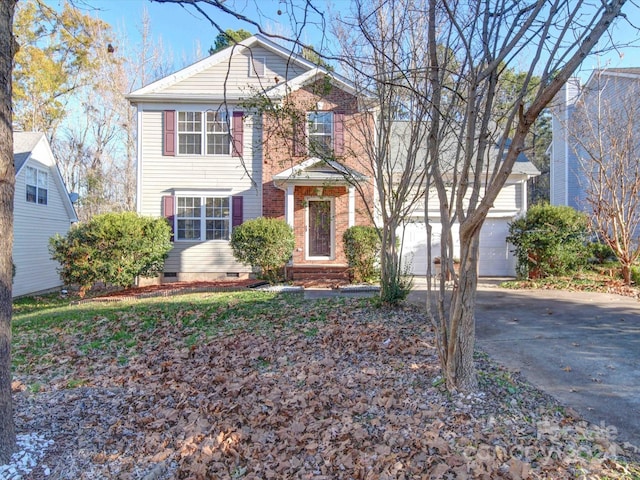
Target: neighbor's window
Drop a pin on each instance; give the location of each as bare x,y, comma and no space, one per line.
190,133
320,129
218,138
37,186
202,218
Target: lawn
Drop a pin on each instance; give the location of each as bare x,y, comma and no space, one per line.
261,385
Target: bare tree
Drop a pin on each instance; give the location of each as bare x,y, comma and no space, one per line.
604,132
383,52
487,38
7,182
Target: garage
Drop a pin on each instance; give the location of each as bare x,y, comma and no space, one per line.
495,259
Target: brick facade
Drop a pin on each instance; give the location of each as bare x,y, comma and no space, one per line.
280,155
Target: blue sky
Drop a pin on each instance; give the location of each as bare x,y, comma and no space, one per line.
184,31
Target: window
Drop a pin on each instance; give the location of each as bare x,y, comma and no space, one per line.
202,218
218,139
257,66
37,185
190,133
320,133
214,129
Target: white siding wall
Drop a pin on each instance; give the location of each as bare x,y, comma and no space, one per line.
232,77
33,226
161,175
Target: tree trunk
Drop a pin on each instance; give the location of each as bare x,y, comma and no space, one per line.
458,368
7,183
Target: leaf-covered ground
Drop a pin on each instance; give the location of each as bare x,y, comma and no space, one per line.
268,386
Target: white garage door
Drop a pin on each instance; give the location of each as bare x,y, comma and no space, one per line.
495,260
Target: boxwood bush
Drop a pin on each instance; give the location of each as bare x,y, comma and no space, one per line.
362,248
113,248
264,243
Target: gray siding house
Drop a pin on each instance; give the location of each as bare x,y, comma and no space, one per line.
41,209
612,88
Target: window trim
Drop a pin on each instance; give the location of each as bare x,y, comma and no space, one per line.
224,122
262,59
202,218
310,135
204,133
194,132
38,188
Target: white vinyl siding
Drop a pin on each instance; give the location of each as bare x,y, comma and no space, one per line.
223,175
33,226
233,78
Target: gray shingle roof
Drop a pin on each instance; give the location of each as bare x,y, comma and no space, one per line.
23,145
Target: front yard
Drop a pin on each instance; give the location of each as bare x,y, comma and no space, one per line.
262,385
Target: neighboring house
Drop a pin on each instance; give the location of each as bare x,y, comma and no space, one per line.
495,257
611,88
207,161
41,208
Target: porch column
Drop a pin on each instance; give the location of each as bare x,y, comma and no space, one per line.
288,209
352,205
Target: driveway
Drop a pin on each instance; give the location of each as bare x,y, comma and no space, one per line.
582,348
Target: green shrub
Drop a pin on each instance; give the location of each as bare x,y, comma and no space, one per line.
362,248
113,248
549,240
635,275
601,252
264,243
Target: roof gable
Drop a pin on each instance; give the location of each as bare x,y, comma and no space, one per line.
28,145
226,74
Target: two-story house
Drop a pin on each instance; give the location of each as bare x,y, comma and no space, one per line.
607,97
251,131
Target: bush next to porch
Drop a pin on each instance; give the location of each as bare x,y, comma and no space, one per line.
113,248
362,248
264,243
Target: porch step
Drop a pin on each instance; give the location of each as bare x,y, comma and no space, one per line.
318,272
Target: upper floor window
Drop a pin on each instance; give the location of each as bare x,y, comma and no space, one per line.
320,131
37,185
190,133
210,136
202,218
218,139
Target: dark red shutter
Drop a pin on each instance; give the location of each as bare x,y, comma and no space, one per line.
236,211
238,133
299,141
169,136
338,132
169,211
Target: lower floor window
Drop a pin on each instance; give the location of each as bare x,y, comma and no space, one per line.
203,218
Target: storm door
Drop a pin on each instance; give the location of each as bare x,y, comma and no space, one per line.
319,228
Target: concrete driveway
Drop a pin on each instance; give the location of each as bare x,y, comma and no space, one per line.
582,348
